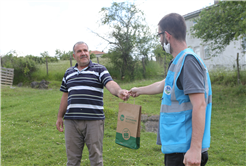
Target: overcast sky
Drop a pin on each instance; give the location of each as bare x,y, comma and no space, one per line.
35,26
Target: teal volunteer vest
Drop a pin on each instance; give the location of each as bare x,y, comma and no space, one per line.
176,109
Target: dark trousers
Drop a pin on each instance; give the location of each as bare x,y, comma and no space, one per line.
176,159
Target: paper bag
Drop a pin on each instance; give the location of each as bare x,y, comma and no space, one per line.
128,125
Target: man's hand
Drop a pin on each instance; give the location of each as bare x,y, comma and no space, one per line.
59,124
134,92
123,94
115,89
192,157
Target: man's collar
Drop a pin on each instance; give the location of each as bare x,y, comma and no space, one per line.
90,64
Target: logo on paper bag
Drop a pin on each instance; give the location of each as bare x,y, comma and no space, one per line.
167,90
122,117
126,134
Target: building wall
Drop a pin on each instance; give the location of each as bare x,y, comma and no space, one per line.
226,59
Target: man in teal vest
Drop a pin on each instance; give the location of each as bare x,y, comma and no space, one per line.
185,115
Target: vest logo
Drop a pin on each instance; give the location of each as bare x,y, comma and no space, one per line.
167,90
122,117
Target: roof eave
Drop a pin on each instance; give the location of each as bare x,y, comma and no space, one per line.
192,14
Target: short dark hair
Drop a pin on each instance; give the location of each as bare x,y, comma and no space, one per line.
175,25
80,42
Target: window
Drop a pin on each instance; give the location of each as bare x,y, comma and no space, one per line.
207,53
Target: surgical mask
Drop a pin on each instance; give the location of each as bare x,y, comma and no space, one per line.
166,48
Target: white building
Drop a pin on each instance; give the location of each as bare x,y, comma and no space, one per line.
226,59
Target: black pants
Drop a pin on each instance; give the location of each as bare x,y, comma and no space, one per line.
176,159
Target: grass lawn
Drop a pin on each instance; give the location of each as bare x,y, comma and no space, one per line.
29,136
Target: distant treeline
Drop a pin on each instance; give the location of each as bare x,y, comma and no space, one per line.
26,65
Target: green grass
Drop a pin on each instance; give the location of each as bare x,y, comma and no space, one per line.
29,136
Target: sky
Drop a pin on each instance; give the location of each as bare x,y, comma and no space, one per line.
31,27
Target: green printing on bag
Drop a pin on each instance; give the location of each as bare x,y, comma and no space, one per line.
126,140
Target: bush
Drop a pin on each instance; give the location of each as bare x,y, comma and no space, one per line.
92,56
23,66
51,59
105,56
39,60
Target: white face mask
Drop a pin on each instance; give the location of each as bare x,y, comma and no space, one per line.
166,47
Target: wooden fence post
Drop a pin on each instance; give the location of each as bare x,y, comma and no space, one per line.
98,60
47,65
70,61
238,72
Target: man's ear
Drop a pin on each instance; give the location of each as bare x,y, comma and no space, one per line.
167,35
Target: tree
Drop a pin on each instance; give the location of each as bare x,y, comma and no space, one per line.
127,33
220,24
45,54
62,55
161,56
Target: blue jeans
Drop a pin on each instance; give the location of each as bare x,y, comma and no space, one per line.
176,159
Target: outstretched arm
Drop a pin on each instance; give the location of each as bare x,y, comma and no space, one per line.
115,89
61,112
152,89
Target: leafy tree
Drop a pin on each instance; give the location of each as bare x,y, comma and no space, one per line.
128,32
62,55
220,24
162,57
45,55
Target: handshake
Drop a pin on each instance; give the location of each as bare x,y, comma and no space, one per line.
125,94
151,89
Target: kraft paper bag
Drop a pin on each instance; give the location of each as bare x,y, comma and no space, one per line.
128,125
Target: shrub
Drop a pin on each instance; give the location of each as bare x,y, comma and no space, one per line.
92,56
23,66
105,56
36,59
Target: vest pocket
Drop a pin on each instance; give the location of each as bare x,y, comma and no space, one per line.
173,129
